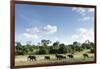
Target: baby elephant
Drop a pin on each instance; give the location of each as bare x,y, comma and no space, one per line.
85,55
47,57
30,58
70,56
60,56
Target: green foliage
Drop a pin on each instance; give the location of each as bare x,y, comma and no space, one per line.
62,49
43,51
56,44
45,42
92,50
53,50
56,48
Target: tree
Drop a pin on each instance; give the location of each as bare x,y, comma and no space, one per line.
45,42
92,45
17,43
87,45
43,50
23,49
69,48
92,50
76,43
19,49
77,46
62,49
56,44
29,46
28,42
53,50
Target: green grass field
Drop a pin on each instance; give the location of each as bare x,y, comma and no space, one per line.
78,57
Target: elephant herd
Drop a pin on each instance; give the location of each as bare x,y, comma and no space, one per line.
58,57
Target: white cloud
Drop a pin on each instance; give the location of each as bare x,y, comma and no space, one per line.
33,36
36,32
91,10
85,18
84,13
33,30
79,10
50,29
83,30
42,30
83,34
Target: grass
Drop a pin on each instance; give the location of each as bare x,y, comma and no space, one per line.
22,60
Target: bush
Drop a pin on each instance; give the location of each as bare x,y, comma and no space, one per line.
19,53
53,51
62,49
43,51
91,50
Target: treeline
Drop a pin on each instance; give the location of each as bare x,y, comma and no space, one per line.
44,47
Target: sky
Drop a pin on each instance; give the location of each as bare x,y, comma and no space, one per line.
56,23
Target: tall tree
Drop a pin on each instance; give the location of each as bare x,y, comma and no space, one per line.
62,48
87,44
56,45
45,42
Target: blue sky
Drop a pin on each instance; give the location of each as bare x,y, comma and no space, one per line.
55,23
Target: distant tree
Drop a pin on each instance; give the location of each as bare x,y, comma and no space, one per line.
28,43
84,46
19,49
69,48
45,42
17,43
53,50
62,48
92,50
56,44
77,46
92,45
23,49
43,50
87,44
76,43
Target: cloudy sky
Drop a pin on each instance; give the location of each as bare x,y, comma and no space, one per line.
55,23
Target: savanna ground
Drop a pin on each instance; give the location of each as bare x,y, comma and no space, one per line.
78,57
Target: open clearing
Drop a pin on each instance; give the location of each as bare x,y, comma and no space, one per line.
78,57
